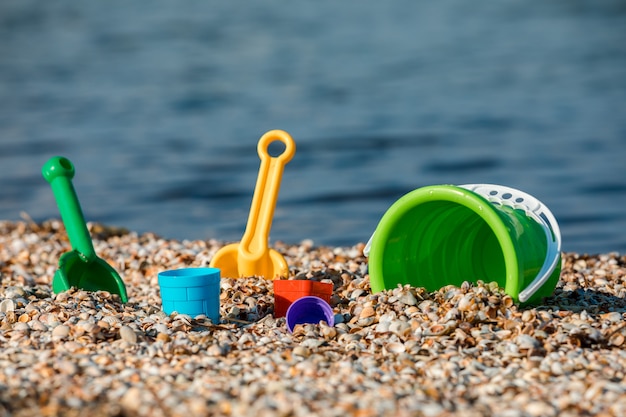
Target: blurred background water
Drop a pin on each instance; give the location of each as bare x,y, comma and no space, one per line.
160,105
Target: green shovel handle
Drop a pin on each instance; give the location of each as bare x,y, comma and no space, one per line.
59,171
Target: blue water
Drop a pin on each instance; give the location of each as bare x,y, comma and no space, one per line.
160,106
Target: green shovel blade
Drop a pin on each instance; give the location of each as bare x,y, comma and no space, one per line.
80,268
96,275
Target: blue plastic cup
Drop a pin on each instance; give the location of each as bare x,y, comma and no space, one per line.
309,309
191,291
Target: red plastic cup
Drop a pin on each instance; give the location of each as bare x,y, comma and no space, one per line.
288,291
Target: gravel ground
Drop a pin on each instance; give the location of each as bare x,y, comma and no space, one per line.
405,352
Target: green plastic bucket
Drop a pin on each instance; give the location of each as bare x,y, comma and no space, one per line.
444,234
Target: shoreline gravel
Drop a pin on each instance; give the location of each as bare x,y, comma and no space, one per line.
465,350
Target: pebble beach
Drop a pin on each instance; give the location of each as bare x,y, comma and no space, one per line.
467,350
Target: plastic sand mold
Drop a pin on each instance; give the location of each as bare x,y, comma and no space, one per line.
286,291
443,234
252,256
309,310
191,291
80,268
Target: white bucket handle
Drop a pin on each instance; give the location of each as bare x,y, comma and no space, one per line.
507,196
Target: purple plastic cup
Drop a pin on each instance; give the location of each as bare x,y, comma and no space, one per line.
309,309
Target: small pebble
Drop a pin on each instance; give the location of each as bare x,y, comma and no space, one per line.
128,335
7,305
61,332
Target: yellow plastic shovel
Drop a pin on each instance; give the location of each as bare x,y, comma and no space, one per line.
251,256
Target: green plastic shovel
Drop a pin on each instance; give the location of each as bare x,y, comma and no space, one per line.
80,268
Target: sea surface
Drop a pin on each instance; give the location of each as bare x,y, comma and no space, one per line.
160,105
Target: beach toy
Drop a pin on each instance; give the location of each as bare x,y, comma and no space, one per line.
286,291
252,256
309,309
191,291
80,268
443,234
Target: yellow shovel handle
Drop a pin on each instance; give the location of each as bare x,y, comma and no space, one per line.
254,243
